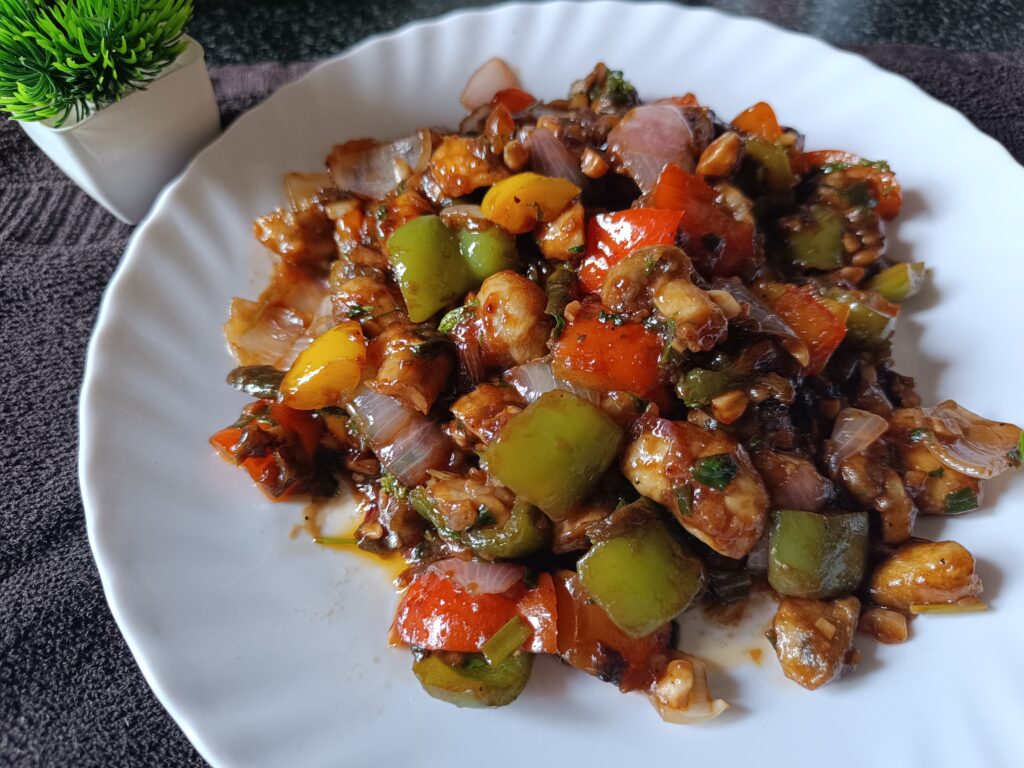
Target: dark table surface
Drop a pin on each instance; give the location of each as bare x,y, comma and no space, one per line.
85,709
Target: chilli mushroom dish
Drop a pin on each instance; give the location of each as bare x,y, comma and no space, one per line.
589,363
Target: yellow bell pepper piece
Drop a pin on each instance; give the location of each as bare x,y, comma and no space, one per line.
328,371
519,202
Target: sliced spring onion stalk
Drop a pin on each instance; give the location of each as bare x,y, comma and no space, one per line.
961,501
549,157
854,431
650,137
728,586
506,641
372,169
493,75
970,444
967,606
899,282
681,692
478,577
335,541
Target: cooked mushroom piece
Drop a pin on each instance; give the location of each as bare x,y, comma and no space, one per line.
814,638
926,573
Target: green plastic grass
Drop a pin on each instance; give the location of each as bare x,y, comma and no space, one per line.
64,58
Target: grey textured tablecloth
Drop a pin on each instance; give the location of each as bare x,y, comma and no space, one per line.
70,693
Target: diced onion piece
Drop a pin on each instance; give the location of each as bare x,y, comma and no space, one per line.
478,577
378,417
793,482
407,443
493,76
465,216
681,693
650,137
304,189
854,431
549,157
373,169
265,334
418,448
972,445
533,379
804,489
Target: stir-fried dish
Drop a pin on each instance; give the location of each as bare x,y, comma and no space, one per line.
592,362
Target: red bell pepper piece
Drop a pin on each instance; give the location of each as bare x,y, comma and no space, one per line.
285,427
601,355
760,121
515,100
881,181
589,640
686,100
437,614
819,325
611,237
718,244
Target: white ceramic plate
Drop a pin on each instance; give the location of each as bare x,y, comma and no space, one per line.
271,652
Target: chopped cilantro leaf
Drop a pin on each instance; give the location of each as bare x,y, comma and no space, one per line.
715,471
459,314
359,310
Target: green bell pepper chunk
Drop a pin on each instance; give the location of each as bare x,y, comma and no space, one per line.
642,579
474,683
420,500
526,531
428,266
899,282
553,452
817,555
866,327
701,385
773,161
487,251
819,245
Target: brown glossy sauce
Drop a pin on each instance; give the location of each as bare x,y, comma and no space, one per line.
314,511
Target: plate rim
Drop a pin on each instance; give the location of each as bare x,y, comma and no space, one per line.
104,324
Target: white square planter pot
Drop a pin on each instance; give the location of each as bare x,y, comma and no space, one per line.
124,154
